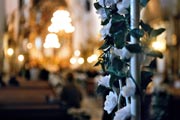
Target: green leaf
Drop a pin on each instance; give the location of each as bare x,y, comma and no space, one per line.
117,67
117,18
97,6
101,89
113,78
103,67
98,63
114,8
153,64
144,2
134,48
119,39
108,42
117,63
155,54
115,72
147,28
104,46
137,33
105,22
155,33
146,78
118,26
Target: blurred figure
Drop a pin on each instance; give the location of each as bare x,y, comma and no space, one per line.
24,72
56,82
44,74
13,81
71,95
2,83
34,72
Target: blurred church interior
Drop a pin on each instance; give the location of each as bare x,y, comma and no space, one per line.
42,40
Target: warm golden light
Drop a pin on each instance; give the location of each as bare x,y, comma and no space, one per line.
53,28
77,53
10,51
52,41
158,45
80,60
21,58
61,13
69,29
160,42
73,60
77,60
92,58
61,21
29,45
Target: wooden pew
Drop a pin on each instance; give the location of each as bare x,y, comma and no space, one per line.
29,102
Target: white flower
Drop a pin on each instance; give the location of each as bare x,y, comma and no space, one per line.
121,9
130,82
102,13
128,91
123,53
107,3
122,6
123,113
111,102
126,3
104,81
105,30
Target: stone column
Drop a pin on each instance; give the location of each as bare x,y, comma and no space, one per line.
2,30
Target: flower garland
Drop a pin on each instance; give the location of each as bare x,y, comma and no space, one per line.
117,51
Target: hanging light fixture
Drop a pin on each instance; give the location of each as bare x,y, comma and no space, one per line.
61,21
52,41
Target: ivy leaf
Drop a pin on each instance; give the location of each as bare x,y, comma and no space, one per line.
155,54
98,63
144,2
101,89
119,39
117,18
103,67
108,42
153,64
114,8
145,78
112,80
137,33
147,28
104,46
117,63
128,38
117,67
134,48
156,32
97,6
118,26
105,22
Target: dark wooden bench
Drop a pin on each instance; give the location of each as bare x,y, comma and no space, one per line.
33,114
29,103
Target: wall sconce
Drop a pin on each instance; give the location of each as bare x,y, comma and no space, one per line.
10,51
20,58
